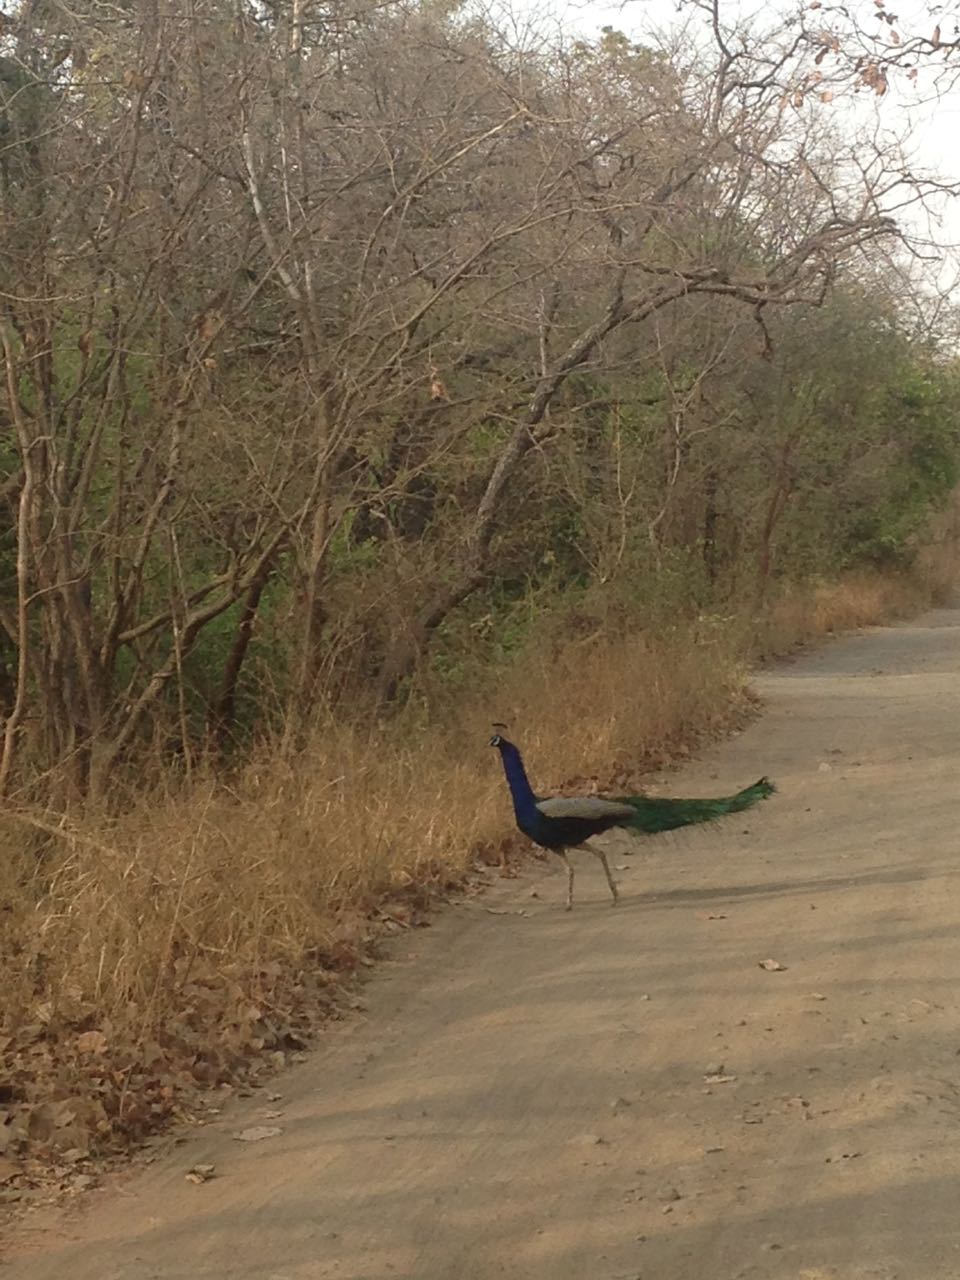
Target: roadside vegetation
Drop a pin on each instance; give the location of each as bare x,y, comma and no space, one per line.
370,377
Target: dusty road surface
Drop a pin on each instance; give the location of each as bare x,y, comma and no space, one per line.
627,1093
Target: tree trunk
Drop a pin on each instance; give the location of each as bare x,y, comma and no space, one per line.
223,713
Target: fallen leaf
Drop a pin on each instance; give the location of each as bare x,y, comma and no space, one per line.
773,966
200,1173
257,1133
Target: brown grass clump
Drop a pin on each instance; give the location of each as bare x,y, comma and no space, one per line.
196,938
861,598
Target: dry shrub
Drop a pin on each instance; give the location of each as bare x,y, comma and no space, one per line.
804,614
197,937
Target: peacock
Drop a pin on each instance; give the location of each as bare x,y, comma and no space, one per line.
560,823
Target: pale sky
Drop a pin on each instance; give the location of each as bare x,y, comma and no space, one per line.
934,126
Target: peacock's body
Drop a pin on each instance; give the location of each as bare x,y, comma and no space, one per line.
567,822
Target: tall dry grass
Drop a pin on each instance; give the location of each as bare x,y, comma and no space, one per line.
861,598
196,937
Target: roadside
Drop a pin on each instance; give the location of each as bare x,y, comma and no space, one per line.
628,1093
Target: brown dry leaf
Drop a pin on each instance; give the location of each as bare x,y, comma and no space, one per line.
773,966
258,1132
209,325
201,1173
92,1042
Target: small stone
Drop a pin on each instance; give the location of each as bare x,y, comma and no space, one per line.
587,1140
258,1132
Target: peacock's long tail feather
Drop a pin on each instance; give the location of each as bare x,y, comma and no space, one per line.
654,814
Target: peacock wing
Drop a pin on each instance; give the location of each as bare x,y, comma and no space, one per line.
588,807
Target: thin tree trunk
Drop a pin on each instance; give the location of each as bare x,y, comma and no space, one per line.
223,714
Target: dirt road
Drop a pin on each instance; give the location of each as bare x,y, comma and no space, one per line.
627,1093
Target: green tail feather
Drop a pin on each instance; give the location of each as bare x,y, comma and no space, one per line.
654,814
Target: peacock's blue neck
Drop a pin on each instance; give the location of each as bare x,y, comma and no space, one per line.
524,801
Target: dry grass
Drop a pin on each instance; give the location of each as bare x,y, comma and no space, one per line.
197,937
862,598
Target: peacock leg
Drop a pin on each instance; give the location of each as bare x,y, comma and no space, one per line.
606,869
569,866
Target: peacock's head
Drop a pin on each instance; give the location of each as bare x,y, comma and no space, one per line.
497,740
